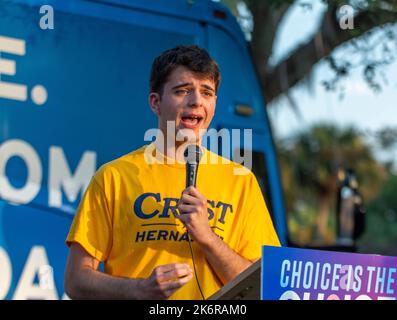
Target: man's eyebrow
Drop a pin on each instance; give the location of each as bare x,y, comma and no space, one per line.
208,87
185,84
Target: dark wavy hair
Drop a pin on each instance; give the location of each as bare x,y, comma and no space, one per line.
192,57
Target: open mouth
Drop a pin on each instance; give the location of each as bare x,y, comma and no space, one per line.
191,121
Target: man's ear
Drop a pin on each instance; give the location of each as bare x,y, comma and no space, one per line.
154,102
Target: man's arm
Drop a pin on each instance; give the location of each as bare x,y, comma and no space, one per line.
226,262
84,281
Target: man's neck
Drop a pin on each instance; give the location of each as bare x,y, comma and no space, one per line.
173,150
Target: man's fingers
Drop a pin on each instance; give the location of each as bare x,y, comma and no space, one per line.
171,266
188,199
193,192
172,286
179,272
187,208
170,272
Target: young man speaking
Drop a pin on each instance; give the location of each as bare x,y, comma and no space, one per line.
139,219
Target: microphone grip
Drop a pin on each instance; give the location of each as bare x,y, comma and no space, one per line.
191,174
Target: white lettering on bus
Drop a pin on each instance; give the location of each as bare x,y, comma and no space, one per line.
60,176
11,90
5,274
26,288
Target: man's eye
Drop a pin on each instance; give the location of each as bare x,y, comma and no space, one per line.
182,91
207,93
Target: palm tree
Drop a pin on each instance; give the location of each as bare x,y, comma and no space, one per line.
312,159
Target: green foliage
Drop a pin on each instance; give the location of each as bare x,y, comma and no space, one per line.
314,156
382,220
387,137
309,166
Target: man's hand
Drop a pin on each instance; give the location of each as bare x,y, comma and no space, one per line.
194,215
84,281
226,263
165,280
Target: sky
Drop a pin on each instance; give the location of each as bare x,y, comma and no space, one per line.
361,106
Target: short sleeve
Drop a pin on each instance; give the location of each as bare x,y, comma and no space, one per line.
92,224
258,229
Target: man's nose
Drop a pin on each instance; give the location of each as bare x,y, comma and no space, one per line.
195,98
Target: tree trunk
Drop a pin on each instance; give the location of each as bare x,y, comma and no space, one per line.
322,218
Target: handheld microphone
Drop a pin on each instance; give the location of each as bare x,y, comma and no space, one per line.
192,156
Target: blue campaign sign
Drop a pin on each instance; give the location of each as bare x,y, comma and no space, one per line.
303,274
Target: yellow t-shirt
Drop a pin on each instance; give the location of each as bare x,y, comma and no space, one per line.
127,217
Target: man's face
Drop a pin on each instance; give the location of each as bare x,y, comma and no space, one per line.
187,99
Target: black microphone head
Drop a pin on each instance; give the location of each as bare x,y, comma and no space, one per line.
193,154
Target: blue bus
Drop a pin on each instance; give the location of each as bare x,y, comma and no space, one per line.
73,95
